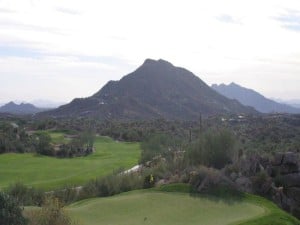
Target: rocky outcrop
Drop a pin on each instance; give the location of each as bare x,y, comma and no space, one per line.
290,180
277,178
286,163
286,175
244,184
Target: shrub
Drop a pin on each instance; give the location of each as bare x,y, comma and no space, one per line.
51,213
25,195
212,181
43,146
261,183
153,146
159,144
10,212
203,173
111,185
66,195
213,149
149,181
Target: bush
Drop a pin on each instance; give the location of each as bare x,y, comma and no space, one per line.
66,195
212,181
43,146
159,145
149,181
10,212
51,213
111,185
25,195
213,149
261,183
152,146
210,174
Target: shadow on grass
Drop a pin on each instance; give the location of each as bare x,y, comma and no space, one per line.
224,194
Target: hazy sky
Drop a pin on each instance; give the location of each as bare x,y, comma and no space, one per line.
60,49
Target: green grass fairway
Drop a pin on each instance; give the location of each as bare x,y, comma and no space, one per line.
50,173
162,208
57,137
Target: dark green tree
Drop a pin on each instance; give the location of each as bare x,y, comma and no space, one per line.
88,138
153,146
43,144
213,148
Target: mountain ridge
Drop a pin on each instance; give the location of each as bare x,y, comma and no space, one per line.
20,109
250,97
156,89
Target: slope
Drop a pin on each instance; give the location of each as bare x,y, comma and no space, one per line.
20,109
157,89
252,98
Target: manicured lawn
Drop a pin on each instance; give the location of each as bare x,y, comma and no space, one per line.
174,205
162,208
274,215
51,173
57,137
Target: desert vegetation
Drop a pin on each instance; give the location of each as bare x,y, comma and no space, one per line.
215,157
15,138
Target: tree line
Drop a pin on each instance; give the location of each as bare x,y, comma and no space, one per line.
15,138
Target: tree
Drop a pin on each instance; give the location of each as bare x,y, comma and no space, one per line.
43,144
159,144
214,148
10,212
153,146
88,138
219,148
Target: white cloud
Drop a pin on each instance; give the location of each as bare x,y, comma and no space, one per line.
221,41
57,78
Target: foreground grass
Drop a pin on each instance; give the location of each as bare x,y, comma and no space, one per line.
51,173
173,204
176,205
273,216
141,207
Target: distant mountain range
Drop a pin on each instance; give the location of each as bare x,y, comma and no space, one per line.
39,103
249,97
20,109
293,102
44,103
157,89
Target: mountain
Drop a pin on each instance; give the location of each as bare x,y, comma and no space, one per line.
157,89
292,102
20,109
249,97
44,103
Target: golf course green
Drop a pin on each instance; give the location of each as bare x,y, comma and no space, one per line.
150,207
174,205
51,173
